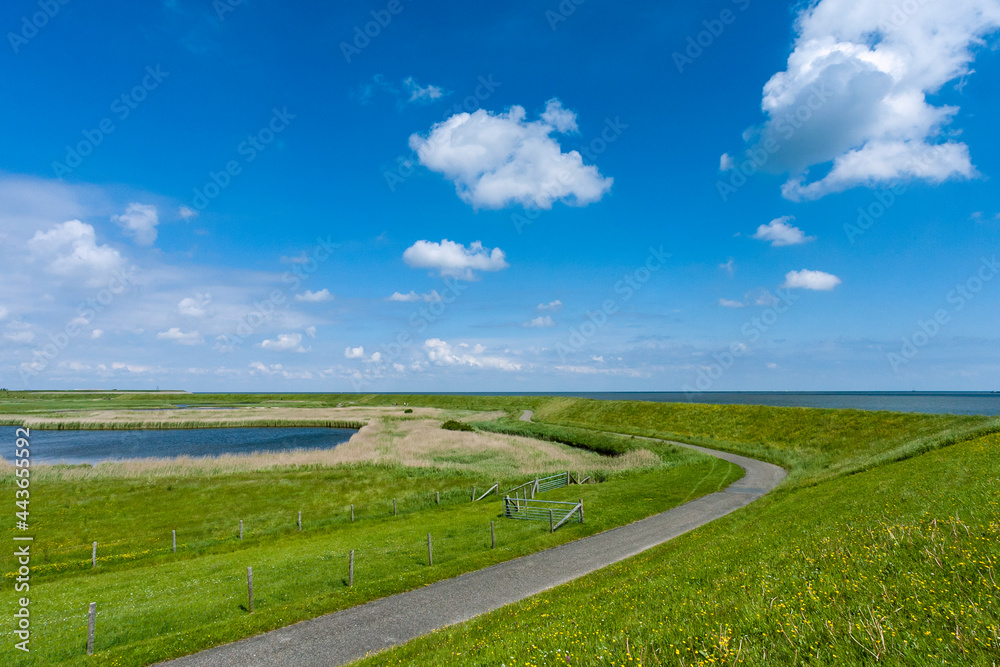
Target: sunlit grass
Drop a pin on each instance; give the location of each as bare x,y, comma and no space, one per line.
894,566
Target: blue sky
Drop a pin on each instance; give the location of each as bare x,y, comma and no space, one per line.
399,196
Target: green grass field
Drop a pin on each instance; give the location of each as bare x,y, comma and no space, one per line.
894,566
880,547
154,604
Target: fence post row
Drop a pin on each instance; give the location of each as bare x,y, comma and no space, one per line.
250,589
350,569
91,622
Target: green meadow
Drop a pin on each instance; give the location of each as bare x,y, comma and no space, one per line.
154,603
880,547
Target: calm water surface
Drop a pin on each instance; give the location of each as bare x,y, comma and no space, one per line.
97,446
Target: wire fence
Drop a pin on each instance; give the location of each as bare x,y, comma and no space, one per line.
215,533
161,602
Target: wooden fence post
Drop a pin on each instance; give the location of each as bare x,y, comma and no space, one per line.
250,589
174,532
493,537
350,570
352,513
241,529
551,523
581,510
430,552
93,556
91,622
473,494
437,497
300,519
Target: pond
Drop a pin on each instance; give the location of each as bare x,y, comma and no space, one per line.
89,446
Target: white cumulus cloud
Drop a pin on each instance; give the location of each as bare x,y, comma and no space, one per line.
442,353
551,306
496,160
70,250
139,221
196,306
814,280
729,303
315,297
290,342
429,297
454,260
181,337
355,352
780,233
854,95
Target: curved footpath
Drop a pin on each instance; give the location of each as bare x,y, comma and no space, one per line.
351,634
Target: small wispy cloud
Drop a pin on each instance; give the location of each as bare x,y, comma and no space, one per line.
409,91
314,297
551,306
411,296
780,233
540,322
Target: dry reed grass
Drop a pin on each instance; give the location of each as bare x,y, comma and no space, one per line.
423,443
231,417
390,439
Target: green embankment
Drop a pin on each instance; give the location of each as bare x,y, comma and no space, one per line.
893,566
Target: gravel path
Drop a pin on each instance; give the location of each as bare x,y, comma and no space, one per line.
344,636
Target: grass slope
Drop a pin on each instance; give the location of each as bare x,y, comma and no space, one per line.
894,566
811,444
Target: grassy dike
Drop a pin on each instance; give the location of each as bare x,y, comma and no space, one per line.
896,565
154,604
